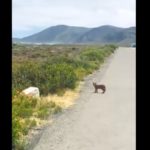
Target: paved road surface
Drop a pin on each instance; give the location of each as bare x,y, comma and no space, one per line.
99,121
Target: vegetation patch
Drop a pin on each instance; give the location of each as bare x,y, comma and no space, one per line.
56,70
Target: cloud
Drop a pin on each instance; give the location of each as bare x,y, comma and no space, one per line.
30,16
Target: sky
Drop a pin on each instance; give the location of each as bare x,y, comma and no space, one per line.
32,16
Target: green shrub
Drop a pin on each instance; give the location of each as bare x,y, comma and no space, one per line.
43,113
80,73
23,107
16,129
51,73
48,77
58,71
59,76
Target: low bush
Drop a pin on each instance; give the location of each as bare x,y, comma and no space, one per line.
23,108
52,72
48,77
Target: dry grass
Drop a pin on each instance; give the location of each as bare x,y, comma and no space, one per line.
67,99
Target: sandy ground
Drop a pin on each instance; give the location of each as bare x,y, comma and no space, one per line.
99,121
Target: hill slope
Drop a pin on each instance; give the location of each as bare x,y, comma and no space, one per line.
57,34
108,34
71,34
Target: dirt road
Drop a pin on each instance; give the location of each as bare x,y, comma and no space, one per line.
99,121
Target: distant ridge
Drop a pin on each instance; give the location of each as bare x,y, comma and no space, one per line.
63,34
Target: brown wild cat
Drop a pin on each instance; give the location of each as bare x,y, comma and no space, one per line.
100,86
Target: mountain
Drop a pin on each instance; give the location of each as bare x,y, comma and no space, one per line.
129,36
73,35
57,34
108,34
